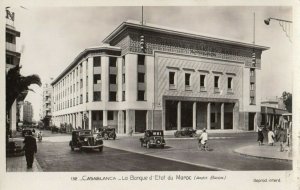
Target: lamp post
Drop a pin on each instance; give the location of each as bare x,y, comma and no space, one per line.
284,24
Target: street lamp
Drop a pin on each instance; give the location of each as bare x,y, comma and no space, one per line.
284,24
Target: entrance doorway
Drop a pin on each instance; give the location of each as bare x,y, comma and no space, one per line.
140,120
251,121
171,115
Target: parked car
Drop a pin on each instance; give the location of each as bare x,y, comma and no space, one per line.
25,132
153,138
84,139
185,132
54,129
108,133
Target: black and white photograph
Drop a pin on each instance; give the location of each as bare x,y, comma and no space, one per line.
183,90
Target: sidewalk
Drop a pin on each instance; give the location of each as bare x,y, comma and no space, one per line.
18,164
265,151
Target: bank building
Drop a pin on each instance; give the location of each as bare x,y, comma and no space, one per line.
146,76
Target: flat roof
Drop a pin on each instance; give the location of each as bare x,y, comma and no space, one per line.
177,32
82,54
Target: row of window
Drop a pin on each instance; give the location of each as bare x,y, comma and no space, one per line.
110,115
172,81
97,80
113,96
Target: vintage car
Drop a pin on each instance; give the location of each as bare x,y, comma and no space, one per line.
107,133
84,139
153,138
185,132
54,129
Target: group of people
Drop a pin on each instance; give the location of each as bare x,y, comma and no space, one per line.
278,135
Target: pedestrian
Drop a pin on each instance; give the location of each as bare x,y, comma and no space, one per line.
271,137
260,136
265,132
276,132
30,148
131,131
202,141
282,139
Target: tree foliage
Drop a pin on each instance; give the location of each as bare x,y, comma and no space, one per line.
17,86
287,100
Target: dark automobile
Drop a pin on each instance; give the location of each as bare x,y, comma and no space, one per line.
153,138
185,132
84,139
108,133
54,129
25,132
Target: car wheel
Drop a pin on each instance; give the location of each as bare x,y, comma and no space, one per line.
100,149
148,145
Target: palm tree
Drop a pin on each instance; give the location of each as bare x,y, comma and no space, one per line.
17,86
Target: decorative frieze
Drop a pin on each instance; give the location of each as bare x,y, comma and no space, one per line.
130,41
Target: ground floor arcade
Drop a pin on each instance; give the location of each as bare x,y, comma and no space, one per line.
174,115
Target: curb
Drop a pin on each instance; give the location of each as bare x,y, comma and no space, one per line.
261,157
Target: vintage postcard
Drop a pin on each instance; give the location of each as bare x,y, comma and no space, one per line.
149,96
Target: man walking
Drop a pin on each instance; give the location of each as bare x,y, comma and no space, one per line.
29,148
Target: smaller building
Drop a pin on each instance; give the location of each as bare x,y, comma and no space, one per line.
27,112
274,102
47,104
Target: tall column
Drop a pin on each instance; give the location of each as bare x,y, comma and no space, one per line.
216,113
84,74
104,118
90,119
194,115
119,79
120,122
273,121
131,78
130,121
149,119
179,115
104,79
90,78
13,116
235,114
222,116
208,115
74,120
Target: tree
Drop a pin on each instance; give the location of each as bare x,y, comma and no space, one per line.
287,100
17,86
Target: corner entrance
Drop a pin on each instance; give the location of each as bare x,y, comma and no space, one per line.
140,121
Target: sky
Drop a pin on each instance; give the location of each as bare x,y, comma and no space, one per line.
51,37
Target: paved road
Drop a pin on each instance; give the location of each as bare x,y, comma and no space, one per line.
222,156
126,154
58,157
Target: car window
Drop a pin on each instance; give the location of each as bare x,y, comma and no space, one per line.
157,133
85,133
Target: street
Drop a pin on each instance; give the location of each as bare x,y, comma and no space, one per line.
180,154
